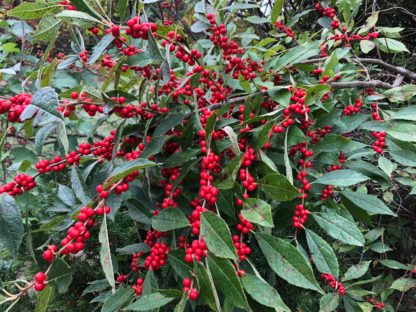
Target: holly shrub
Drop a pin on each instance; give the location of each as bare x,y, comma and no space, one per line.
217,160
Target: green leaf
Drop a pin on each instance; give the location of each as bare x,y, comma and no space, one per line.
386,165
133,248
263,135
339,227
60,274
141,59
257,211
127,168
281,96
153,147
153,48
30,10
263,293
47,28
78,185
123,5
278,187
168,123
105,254
256,19
331,143
403,284
343,177
329,303
287,262
296,55
84,6
380,247
43,299
392,264
400,94
208,293
11,227
216,234
179,158
369,23
149,302
180,307
176,260
367,202
276,10
403,132
226,280
100,48
388,45
231,171
366,46
406,113
356,271
118,299
66,195
96,286
47,100
78,18
169,219
322,253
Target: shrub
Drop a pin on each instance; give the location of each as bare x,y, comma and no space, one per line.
206,165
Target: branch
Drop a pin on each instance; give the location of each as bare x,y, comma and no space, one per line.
361,84
395,69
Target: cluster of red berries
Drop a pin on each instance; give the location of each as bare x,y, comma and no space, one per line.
376,116
134,261
244,226
352,109
137,29
195,217
317,71
327,192
197,250
324,49
289,32
15,106
337,285
40,279
380,141
300,216
247,180
49,254
157,257
83,55
377,304
173,41
242,249
21,183
355,37
121,278
152,236
301,147
74,241
219,38
68,5
138,287
328,11
90,109
193,293
319,133
209,164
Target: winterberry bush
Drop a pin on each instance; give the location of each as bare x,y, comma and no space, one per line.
249,155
